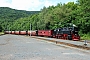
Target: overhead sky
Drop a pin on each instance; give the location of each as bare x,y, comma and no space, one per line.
31,5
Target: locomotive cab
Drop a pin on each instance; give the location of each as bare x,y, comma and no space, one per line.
57,33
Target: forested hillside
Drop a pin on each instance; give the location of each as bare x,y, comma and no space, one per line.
8,15
61,15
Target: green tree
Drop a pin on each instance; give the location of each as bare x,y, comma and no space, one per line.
84,13
0,28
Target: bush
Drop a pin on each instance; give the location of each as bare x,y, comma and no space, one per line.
85,36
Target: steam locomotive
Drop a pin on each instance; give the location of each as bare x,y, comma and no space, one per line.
66,33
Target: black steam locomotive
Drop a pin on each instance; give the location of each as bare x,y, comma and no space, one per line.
70,33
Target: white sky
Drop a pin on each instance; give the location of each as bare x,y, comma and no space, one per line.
31,5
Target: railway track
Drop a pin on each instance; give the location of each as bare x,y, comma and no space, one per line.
81,46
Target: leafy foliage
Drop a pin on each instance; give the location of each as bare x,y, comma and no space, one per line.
8,16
